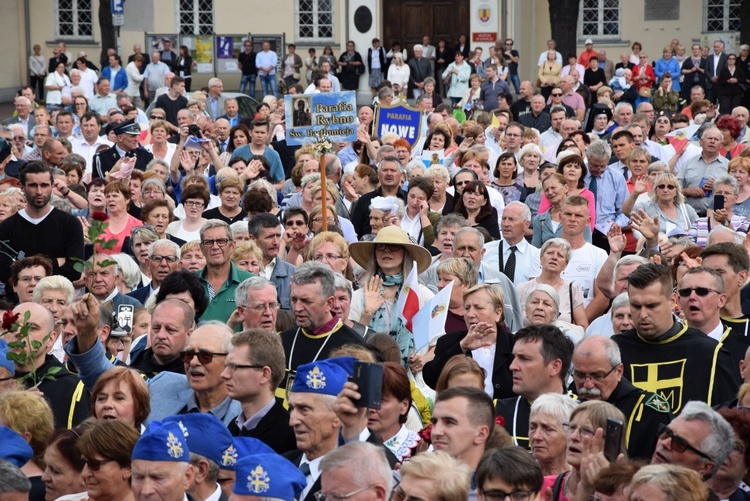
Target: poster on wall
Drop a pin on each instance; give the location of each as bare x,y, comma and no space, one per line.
228,49
277,45
204,54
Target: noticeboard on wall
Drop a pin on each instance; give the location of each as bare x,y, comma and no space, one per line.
155,42
277,45
201,48
228,49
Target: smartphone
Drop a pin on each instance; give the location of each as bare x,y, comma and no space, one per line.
369,380
718,202
612,439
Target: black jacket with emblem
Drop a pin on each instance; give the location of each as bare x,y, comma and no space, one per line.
105,160
681,365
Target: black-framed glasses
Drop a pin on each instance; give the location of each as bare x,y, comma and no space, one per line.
595,376
556,95
234,367
193,203
204,357
679,444
498,495
168,259
156,117
95,464
699,291
221,242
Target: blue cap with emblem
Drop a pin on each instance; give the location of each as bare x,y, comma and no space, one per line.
240,448
162,442
127,127
268,476
5,362
14,448
204,433
325,377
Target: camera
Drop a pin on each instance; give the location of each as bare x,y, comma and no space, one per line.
194,130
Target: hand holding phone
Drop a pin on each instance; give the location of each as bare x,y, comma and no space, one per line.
369,380
613,439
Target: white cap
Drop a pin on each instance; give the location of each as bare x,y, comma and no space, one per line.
589,42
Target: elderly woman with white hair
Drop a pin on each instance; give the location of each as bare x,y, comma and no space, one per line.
55,293
542,307
529,159
622,319
547,438
441,201
554,256
385,211
131,273
720,212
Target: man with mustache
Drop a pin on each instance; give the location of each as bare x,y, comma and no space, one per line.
265,231
597,375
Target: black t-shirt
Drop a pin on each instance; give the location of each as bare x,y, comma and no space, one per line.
512,67
171,107
248,63
591,77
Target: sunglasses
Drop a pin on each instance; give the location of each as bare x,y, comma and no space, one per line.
699,291
156,117
204,357
95,464
556,95
679,444
669,187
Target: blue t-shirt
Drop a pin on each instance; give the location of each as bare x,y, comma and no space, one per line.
277,170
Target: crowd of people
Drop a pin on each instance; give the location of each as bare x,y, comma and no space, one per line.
187,300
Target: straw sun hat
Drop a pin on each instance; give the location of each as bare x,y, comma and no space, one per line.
364,252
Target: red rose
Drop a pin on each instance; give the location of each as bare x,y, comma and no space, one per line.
99,216
500,421
9,319
426,434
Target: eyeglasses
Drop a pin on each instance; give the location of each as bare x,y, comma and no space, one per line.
320,220
516,135
679,444
193,203
327,496
234,367
498,495
643,57
261,307
295,223
169,259
699,291
326,257
596,376
95,464
29,279
388,247
204,357
554,94
739,448
156,117
584,432
221,242
669,187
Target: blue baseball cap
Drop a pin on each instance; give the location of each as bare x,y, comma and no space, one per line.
204,433
268,476
5,362
162,442
324,377
242,447
14,448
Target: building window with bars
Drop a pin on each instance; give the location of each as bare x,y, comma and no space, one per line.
314,20
74,19
722,15
600,19
196,17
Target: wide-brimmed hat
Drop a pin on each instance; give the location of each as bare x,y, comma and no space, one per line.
364,252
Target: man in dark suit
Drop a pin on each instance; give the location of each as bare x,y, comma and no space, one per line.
127,145
24,115
168,56
254,368
163,259
232,112
311,415
714,64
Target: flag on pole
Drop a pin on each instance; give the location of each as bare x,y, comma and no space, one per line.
429,322
680,137
408,300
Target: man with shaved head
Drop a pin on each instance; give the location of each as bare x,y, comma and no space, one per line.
598,375
65,393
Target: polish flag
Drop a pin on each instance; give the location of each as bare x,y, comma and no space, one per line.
408,300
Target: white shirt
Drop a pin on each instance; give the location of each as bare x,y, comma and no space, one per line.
485,357
716,65
583,268
717,333
314,473
88,80
528,265
87,151
413,227
602,326
215,495
267,270
549,138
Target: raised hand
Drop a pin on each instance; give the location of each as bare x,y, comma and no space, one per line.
616,239
649,227
373,295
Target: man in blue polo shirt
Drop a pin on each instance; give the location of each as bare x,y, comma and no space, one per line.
259,130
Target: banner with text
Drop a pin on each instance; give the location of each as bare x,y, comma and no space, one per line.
329,116
400,119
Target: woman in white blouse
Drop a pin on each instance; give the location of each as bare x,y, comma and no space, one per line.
398,74
55,83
